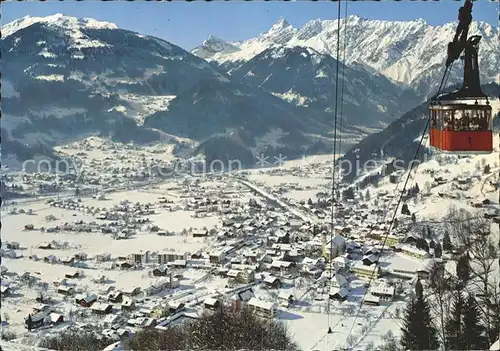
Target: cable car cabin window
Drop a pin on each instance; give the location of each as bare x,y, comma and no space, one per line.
446,120
463,120
433,116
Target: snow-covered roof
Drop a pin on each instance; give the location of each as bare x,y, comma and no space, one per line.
339,280
270,279
54,317
341,259
342,292
360,266
285,294
412,249
245,295
261,304
382,290
372,299
210,301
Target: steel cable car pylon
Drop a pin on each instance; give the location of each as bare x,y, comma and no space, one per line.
457,125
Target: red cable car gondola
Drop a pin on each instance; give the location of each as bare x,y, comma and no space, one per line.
461,121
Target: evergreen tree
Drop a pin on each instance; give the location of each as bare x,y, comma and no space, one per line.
487,169
367,195
432,244
418,333
419,290
29,322
438,251
413,218
447,246
405,210
425,245
472,329
463,269
395,224
309,202
429,233
453,329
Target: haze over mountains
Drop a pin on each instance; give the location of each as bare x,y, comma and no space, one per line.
65,78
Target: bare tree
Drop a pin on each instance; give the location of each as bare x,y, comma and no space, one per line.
370,346
474,236
439,296
484,263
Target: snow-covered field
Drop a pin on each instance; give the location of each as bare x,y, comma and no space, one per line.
293,183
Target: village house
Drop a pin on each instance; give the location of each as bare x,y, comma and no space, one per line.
175,307
115,296
5,290
55,318
262,308
112,320
65,290
403,272
337,293
272,282
14,245
412,251
140,258
341,262
365,272
216,256
337,246
72,275
101,308
37,320
199,233
127,304
86,301
132,291
370,259
285,298
41,307
384,293
161,271
339,281
162,284
166,257
178,264
125,265
45,246
279,266
244,276
211,303
251,256
372,300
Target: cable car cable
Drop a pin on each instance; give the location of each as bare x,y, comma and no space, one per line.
332,219
395,211
444,80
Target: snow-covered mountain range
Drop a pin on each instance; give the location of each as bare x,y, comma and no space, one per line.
65,78
412,53
306,77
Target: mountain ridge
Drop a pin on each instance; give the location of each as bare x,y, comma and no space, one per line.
407,52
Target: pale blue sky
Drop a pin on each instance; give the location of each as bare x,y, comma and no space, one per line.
188,23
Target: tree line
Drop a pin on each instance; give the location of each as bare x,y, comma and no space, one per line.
458,310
